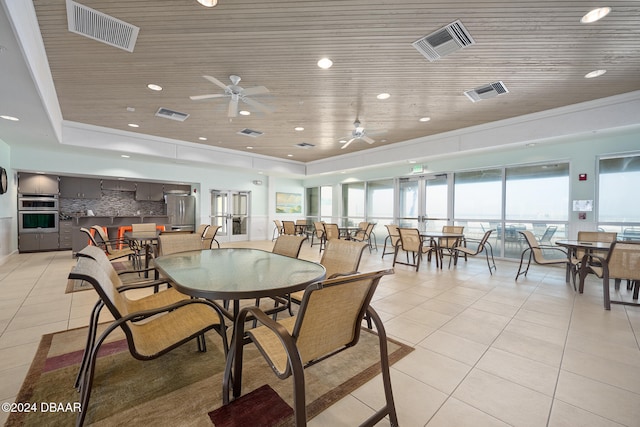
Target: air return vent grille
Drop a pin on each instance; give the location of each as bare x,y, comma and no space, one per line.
250,132
444,41
487,91
305,145
170,114
101,27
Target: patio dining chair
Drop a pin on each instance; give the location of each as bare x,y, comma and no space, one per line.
482,245
340,257
446,244
327,323
318,233
621,262
412,243
535,251
365,234
589,236
289,227
150,332
278,229
392,239
108,246
178,242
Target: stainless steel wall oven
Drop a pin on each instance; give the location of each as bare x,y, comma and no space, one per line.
38,214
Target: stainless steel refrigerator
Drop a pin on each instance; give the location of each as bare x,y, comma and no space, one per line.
181,210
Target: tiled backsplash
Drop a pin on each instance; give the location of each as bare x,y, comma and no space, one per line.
112,203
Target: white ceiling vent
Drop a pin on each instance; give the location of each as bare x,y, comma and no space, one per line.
101,27
487,91
250,132
304,145
170,114
444,41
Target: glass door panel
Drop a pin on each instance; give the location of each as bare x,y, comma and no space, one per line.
230,210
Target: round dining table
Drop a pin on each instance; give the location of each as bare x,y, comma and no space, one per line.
237,273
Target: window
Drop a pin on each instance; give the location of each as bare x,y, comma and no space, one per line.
537,193
326,203
353,204
619,190
478,195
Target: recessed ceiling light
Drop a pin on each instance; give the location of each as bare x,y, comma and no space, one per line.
208,3
595,15
133,125
383,96
342,141
245,113
412,161
325,63
424,119
596,73
131,109
299,128
249,148
154,86
289,155
13,119
202,138
124,156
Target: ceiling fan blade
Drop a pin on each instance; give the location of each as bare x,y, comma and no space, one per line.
257,90
198,97
347,143
233,107
215,81
260,106
367,139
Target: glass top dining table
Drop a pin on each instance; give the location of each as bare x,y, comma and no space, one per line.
237,273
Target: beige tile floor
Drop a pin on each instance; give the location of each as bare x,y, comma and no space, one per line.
489,351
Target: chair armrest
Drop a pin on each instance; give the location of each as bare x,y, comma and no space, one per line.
143,284
552,248
140,315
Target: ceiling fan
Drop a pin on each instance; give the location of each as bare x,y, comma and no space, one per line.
360,133
236,93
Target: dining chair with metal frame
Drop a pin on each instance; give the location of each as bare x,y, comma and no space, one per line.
327,323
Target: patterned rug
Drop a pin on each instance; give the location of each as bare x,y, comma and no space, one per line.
182,387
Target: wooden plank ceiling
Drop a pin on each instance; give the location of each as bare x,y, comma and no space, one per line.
539,49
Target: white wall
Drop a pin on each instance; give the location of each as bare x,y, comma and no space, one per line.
8,221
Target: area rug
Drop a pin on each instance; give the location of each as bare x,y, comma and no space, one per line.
184,386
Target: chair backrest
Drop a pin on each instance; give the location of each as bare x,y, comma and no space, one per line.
301,222
202,230
394,234
179,242
289,227
342,257
102,234
101,258
319,226
448,242
410,239
332,231
548,234
209,237
483,242
624,260
531,240
90,270
331,314
92,240
364,230
288,245
594,236
143,227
